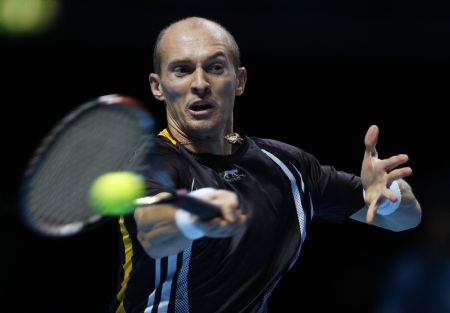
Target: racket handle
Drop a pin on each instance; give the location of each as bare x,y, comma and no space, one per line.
181,199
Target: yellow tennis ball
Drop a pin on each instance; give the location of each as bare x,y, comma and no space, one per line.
114,193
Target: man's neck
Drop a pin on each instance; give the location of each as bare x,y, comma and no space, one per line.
215,144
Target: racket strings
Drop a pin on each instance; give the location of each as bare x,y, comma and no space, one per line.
102,140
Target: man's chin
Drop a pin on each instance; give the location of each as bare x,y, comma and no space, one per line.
203,130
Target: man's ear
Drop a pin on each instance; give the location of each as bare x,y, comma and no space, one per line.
155,86
241,80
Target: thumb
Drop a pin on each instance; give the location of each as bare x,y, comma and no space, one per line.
370,141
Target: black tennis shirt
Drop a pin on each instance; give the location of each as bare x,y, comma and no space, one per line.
280,188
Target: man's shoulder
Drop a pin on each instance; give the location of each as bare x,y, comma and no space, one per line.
161,144
162,151
273,145
286,152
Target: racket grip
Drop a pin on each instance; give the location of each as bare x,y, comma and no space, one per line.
204,210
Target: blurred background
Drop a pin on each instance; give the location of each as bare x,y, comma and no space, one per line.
320,73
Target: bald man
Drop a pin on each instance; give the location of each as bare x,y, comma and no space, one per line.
267,191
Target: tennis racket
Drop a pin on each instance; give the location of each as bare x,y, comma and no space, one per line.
107,134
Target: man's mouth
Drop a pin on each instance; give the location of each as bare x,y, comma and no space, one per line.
199,106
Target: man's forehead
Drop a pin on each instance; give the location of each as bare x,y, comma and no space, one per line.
187,35
188,42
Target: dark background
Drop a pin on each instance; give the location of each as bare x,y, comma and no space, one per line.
320,73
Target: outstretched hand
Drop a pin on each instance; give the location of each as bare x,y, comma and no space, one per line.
378,174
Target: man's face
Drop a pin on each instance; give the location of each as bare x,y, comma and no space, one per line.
198,81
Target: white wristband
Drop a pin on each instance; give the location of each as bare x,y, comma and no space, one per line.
387,207
185,221
186,224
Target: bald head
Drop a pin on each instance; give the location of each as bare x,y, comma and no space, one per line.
196,24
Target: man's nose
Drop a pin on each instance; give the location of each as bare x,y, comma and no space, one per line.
200,85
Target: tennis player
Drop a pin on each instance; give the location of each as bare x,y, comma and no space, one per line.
268,191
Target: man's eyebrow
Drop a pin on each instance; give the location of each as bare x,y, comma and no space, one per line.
217,55
186,60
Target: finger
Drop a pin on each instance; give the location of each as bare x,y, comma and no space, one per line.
230,208
228,203
370,141
371,211
399,173
394,161
242,218
389,195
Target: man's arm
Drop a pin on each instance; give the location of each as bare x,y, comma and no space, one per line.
160,235
376,176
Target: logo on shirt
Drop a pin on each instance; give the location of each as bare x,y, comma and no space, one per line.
232,175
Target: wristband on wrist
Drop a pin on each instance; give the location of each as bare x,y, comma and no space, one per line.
386,206
186,224
185,220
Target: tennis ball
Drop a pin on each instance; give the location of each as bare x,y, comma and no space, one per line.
114,193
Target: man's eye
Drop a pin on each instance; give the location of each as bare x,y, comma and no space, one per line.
180,70
216,68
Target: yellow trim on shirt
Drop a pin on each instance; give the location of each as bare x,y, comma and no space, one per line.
165,133
128,245
127,266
